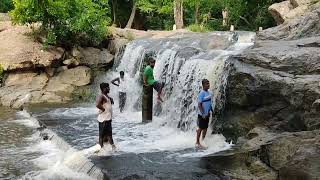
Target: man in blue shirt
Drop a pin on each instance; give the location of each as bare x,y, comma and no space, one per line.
204,106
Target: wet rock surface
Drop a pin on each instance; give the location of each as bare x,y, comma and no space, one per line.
272,104
270,156
275,85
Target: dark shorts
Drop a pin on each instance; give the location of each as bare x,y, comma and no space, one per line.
105,129
158,86
203,123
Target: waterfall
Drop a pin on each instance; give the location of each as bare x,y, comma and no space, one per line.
181,63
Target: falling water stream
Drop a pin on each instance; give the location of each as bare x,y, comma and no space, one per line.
162,149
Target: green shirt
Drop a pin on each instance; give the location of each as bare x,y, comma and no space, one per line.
148,72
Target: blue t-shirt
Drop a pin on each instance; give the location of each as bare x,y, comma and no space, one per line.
204,97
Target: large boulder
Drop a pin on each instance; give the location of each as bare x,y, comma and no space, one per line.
92,57
275,85
297,57
301,26
296,12
296,3
19,87
32,87
279,10
78,76
267,155
296,155
18,51
116,45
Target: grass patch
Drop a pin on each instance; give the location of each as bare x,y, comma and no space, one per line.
198,28
130,36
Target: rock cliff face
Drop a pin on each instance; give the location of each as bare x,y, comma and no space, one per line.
275,85
36,75
272,105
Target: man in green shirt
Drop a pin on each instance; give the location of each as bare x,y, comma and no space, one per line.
148,79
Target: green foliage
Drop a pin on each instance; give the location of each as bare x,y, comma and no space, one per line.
158,14
198,28
65,22
6,5
1,71
243,14
160,7
130,36
157,21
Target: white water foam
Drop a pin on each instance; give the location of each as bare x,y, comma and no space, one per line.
132,136
26,119
57,159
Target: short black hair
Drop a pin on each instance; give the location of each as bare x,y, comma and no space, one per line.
104,85
204,81
151,60
121,72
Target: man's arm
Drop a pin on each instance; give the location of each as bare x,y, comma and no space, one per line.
111,99
200,98
99,103
200,107
145,80
114,81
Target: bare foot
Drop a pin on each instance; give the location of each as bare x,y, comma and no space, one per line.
199,146
98,149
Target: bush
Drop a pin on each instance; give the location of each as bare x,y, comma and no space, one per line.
6,5
65,22
130,36
198,28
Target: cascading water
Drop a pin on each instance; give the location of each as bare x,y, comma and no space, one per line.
181,63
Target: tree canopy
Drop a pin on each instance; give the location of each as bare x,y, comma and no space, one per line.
70,22
65,22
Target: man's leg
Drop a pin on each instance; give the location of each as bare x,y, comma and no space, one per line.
109,134
198,136
199,131
122,99
204,132
158,87
205,126
101,133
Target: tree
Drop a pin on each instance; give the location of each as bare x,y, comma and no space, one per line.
132,15
196,12
6,5
178,13
151,9
114,9
65,22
